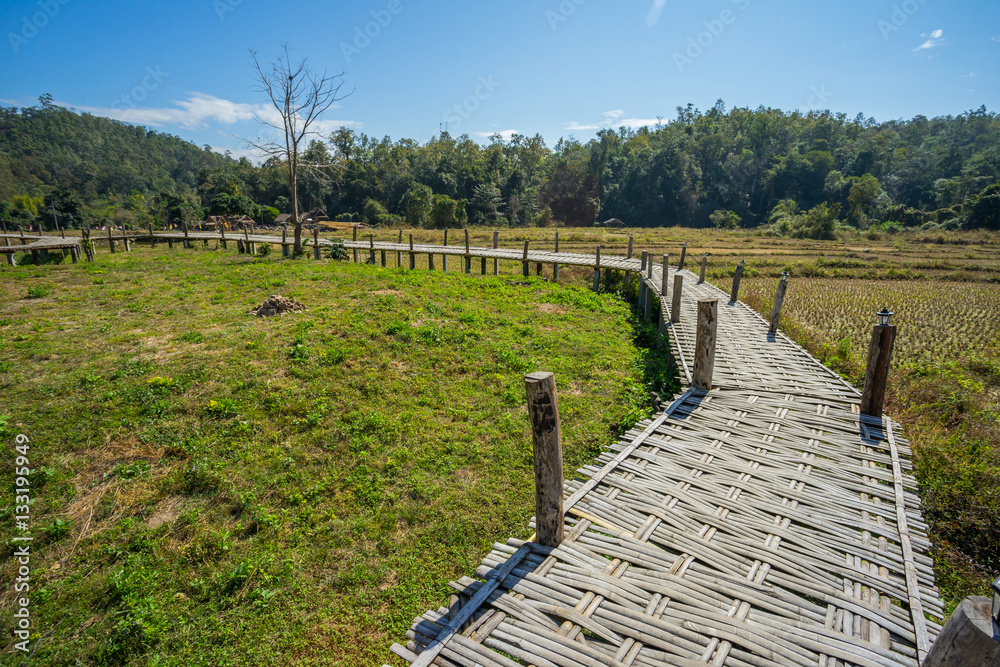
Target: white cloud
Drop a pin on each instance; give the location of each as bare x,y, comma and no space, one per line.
654,12
613,119
936,39
506,134
200,109
995,39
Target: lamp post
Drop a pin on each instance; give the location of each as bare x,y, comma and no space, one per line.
879,360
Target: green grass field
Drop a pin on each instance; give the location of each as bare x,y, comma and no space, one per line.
213,488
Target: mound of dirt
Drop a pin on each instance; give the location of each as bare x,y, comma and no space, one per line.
276,305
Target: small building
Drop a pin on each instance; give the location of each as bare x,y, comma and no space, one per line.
315,215
283,219
215,222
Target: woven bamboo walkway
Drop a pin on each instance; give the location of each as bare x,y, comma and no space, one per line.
763,523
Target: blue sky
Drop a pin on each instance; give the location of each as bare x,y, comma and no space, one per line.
555,67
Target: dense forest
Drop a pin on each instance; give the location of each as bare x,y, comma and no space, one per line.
787,172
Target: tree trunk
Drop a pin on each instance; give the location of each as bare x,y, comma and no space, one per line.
293,196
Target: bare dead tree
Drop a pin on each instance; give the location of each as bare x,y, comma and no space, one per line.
299,97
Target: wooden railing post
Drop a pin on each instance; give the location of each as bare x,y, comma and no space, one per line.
704,264
152,239
187,242
877,371
399,253
597,270
413,256
555,267
496,245
684,252
666,272
704,347
642,262
735,295
284,242
430,261
543,410
111,240
468,257
675,306
371,249
968,639
355,250
629,247
444,256
649,304
316,242
779,299
524,260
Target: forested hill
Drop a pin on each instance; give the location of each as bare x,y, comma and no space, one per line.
797,174
49,151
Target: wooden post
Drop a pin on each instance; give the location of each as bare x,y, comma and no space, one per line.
779,298
661,342
524,259
666,272
684,252
240,246
170,242
74,253
649,266
371,249
675,306
111,240
413,256
704,263
430,261
968,638
496,245
555,267
597,270
877,371
543,410
10,259
735,296
642,263
704,347
482,266
468,258
642,292
607,280
285,251
383,258
126,241
355,250
399,254
649,305
316,242
187,243
629,247
444,257
152,239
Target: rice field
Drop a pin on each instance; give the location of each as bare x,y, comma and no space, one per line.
937,321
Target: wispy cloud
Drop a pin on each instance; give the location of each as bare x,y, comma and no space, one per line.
200,110
506,134
654,12
936,38
613,118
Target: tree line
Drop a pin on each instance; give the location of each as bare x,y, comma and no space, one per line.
791,173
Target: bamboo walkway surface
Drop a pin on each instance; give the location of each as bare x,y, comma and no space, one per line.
765,522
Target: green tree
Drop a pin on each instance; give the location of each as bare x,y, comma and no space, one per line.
485,204
982,211
446,212
227,204
417,204
724,220
864,192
